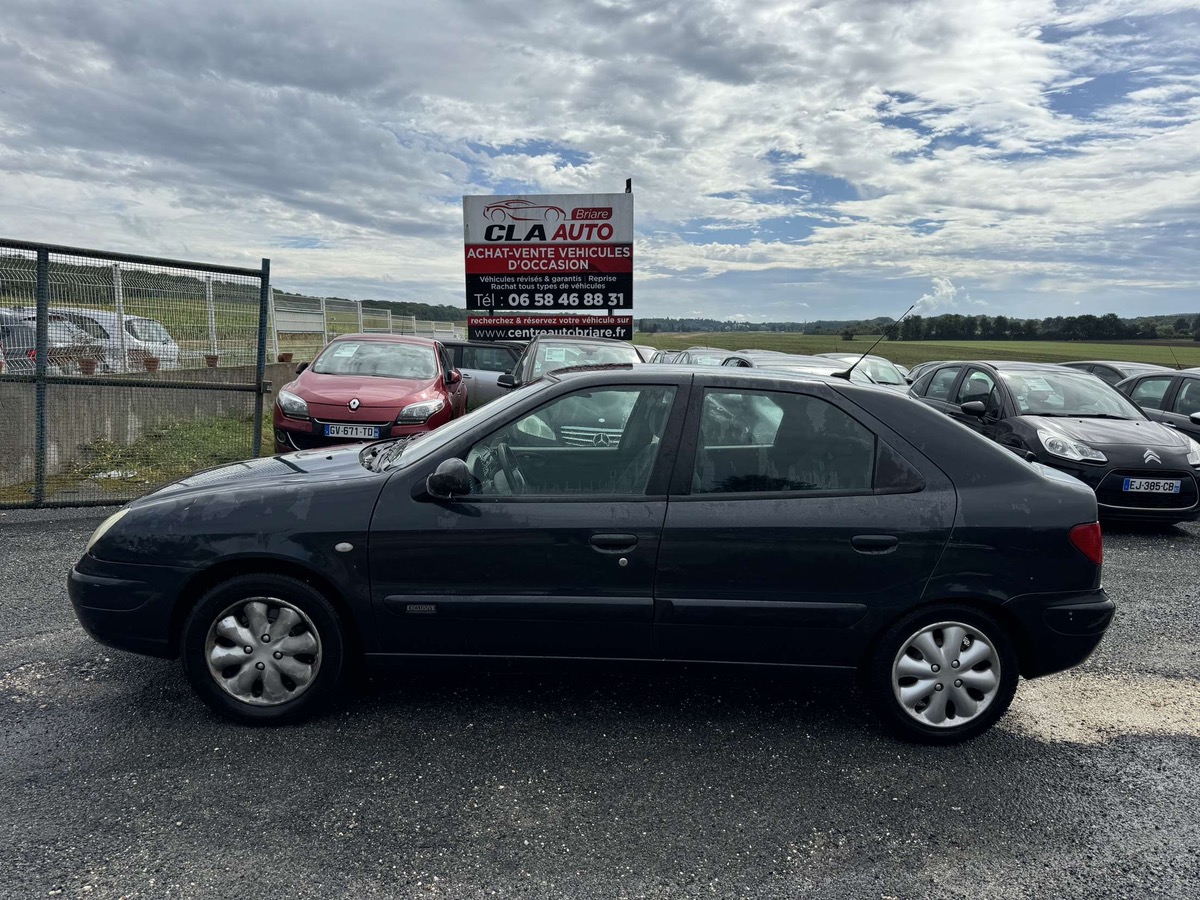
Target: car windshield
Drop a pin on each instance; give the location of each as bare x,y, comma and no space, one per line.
91,326
882,371
405,453
552,356
147,330
1067,393
858,376
377,358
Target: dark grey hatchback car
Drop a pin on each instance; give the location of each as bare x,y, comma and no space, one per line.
737,516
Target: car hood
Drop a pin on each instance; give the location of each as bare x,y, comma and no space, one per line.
370,391
290,472
1111,432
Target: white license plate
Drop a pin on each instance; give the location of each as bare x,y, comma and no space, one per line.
1149,485
352,431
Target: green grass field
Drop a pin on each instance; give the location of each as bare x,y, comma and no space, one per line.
908,353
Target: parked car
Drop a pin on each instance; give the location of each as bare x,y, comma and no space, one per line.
646,353
481,364
1074,422
663,356
938,574
1172,398
363,387
66,344
881,370
798,364
920,369
142,338
1113,371
548,353
700,356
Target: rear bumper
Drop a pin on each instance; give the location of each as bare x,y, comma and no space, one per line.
129,607
1061,630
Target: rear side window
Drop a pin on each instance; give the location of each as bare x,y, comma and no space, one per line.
1106,374
1149,392
487,359
765,441
942,382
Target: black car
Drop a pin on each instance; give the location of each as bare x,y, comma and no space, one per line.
1172,398
839,526
481,364
1077,424
1114,371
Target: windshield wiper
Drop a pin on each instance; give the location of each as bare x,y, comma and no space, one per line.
388,456
1101,416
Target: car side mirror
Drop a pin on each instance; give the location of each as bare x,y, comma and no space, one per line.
300,368
974,408
453,377
449,480
506,381
1195,418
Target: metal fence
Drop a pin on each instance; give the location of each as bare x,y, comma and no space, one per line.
301,326
121,373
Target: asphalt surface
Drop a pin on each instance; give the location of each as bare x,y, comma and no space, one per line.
580,781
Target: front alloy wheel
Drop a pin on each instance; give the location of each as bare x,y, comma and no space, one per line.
264,649
943,675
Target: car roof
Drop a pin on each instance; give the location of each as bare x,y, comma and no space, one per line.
389,339
766,376
576,339
1124,363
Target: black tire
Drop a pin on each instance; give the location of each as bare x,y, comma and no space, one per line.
884,678
321,657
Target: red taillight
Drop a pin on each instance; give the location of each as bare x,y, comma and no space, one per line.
1089,541
32,354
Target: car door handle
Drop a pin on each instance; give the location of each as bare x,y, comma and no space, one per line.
466,375
874,543
614,543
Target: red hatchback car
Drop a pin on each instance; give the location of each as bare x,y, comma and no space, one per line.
363,387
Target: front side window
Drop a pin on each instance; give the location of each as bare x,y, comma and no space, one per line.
979,386
768,441
602,441
1188,400
147,330
377,358
1149,392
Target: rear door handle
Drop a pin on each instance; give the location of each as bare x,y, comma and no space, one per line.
614,543
874,543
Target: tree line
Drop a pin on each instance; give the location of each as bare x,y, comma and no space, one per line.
1110,327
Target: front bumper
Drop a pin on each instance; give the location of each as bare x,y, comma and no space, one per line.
127,606
296,434
1061,630
1115,504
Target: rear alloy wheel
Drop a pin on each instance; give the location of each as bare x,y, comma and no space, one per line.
264,649
943,675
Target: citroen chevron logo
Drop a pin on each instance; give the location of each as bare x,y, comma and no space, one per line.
354,404
1151,456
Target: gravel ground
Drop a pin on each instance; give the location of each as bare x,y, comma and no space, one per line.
562,780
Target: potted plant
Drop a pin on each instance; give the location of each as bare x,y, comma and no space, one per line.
285,357
150,363
87,365
210,360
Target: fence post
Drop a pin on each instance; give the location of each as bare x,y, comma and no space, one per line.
389,315
212,314
42,294
119,302
264,300
358,306
324,324
274,324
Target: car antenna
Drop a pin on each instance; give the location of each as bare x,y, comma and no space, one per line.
846,374
1178,367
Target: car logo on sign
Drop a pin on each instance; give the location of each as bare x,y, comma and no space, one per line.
601,440
1151,456
354,404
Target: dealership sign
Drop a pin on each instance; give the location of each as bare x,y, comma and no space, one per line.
551,252
502,327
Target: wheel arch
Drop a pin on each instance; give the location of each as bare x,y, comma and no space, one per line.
205,580
1013,630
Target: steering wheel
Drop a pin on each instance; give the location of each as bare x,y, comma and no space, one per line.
512,472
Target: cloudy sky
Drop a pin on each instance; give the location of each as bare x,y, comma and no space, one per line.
790,160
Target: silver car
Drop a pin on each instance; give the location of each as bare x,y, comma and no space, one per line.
125,348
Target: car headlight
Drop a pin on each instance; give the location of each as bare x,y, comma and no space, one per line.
292,405
419,413
1193,456
104,527
1065,448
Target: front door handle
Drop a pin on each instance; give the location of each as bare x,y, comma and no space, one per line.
614,543
874,543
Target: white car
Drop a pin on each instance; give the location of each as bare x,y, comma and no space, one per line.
142,337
